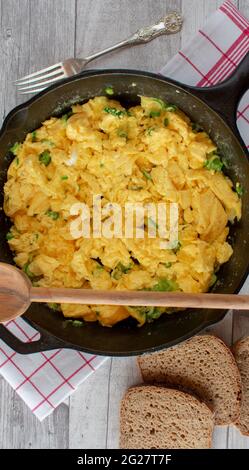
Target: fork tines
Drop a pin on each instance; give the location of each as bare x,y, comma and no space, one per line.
38,81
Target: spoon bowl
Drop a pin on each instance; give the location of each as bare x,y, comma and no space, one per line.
14,292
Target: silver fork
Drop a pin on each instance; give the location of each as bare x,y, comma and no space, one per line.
38,81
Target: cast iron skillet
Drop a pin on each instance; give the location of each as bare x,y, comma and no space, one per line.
212,108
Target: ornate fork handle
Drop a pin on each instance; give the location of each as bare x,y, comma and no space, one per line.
38,81
170,24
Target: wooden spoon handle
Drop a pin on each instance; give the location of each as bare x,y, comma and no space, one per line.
139,298
16,294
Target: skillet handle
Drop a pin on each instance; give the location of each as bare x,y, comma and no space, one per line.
225,97
45,343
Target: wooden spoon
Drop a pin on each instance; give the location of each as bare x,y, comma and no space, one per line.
17,293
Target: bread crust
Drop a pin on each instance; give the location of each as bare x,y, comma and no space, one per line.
232,364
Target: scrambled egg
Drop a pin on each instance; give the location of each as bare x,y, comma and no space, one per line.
151,153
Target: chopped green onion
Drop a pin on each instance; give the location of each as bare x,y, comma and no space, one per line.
154,114
239,189
101,164
167,106
171,108
166,122
149,313
33,136
27,270
214,163
168,265
114,111
165,285
55,307
54,215
178,246
99,267
152,313
17,161
122,133
159,101
46,141
119,270
150,130
196,128
66,116
64,177
75,323
14,149
45,158
147,175
109,90
9,236
213,280
136,188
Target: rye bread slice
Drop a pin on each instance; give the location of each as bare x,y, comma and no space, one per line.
241,353
154,417
203,365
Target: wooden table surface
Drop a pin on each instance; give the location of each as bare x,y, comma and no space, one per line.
34,34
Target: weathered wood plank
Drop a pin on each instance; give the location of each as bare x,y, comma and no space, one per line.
89,411
32,35
52,32
115,20
196,14
20,429
223,329
244,7
124,374
14,43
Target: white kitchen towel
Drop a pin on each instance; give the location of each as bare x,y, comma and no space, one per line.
44,380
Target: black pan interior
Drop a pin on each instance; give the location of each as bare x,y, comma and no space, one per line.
125,338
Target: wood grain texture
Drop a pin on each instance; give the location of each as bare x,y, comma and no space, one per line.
103,297
115,20
14,41
120,380
32,35
244,7
37,33
20,429
89,409
196,14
